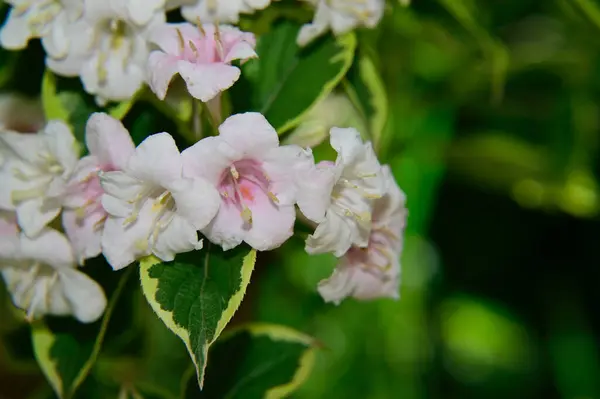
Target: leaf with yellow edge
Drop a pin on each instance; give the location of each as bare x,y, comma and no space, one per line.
272,362
366,90
287,81
198,294
66,350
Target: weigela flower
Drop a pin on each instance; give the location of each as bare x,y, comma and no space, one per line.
34,173
201,55
340,16
338,197
42,278
226,11
109,49
256,178
45,19
152,207
374,271
110,147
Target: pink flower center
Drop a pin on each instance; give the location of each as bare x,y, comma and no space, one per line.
90,189
242,184
205,50
377,258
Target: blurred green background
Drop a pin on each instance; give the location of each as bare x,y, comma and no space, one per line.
493,133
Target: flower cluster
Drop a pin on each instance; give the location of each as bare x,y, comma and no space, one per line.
58,209
107,42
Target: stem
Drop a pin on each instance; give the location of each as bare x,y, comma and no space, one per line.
197,119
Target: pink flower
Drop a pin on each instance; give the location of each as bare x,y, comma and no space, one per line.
201,55
374,271
110,147
256,179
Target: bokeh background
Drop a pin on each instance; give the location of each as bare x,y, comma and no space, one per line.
493,133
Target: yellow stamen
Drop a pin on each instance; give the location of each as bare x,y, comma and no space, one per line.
247,215
234,172
181,40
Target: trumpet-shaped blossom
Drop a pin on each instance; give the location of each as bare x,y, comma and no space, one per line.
152,207
374,271
45,19
110,146
34,173
201,55
108,49
339,197
256,178
226,11
42,278
340,16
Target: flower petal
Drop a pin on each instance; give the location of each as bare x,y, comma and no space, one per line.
335,235
286,167
205,81
9,235
208,158
35,214
156,160
167,38
314,193
85,234
178,237
85,296
272,225
62,144
250,133
16,32
337,287
124,243
226,229
27,147
161,69
48,247
109,141
197,201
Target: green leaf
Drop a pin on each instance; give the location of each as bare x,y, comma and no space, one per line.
73,106
67,350
272,361
287,81
197,299
366,90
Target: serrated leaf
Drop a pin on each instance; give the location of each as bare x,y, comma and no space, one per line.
287,81
366,90
272,362
197,299
67,350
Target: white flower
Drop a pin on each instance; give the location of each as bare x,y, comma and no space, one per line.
34,173
42,278
221,11
83,217
152,207
339,196
340,16
109,49
202,55
45,19
257,180
374,271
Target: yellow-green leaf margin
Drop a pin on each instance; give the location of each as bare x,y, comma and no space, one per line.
347,42
150,287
